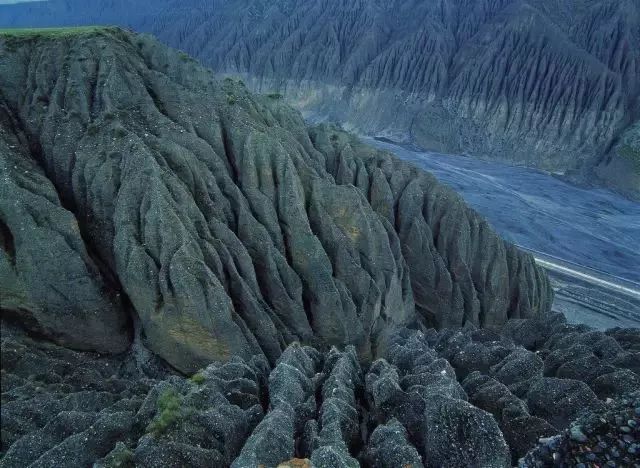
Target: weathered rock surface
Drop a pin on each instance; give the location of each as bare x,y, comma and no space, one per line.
548,84
218,218
412,406
48,279
607,437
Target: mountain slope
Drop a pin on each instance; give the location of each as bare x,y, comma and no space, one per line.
217,218
548,84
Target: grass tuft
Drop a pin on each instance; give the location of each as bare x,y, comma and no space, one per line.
197,378
169,411
53,32
120,457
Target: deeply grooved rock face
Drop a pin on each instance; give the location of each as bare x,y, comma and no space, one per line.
48,279
231,227
547,84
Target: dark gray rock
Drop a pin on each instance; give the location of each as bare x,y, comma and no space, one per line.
597,438
272,441
533,334
67,408
521,430
232,228
627,360
465,435
338,420
333,456
616,384
479,357
151,453
560,401
32,446
48,279
429,398
518,366
82,448
597,342
292,407
628,338
556,359
389,447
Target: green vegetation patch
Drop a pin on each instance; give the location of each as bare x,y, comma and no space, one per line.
120,457
54,32
197,378
169,411
14,37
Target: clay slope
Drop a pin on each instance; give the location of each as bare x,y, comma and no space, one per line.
541,83
138,185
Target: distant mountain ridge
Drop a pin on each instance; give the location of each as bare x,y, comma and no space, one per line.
552,84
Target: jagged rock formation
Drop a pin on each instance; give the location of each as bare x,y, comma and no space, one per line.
601,438
543,83
481,397
135,185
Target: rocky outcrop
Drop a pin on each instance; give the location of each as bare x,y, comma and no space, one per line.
606,437
48,277
416,405
218,218
526,82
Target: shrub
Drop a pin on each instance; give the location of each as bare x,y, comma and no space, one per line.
169,411
197,378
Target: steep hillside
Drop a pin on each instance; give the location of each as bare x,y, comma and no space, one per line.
548,84
135,185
